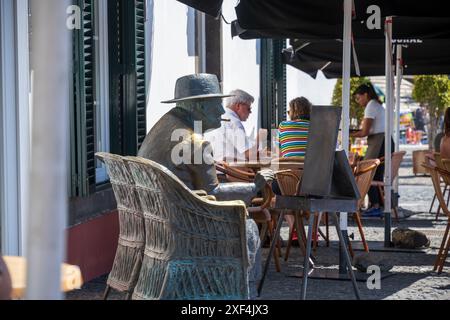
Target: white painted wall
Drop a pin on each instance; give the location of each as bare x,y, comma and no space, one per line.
319,91
241,63
241,69
170,55
173,41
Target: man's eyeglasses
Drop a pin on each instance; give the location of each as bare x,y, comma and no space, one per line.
249,107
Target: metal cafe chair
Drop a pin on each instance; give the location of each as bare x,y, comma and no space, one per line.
364,173
397,158
436,173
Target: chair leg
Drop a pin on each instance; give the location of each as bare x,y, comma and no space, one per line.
275,252
439,257
432,203
301,236
278,248
297,227
439,207
288,249
444,256
263,232
350,249
448,197
396,214
302,226
106,293
358,221
324,236
381,191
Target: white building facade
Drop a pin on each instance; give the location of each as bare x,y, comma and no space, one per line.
123,68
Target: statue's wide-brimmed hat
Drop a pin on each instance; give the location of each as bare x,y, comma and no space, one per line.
197,86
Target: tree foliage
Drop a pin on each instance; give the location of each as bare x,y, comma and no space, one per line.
433,92
356,111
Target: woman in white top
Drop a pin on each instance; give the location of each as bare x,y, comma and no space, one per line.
372,128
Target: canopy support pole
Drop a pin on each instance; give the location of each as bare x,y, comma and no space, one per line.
399,74
50,63
346,66
388,133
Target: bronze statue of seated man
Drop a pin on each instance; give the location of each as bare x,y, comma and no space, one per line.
176,142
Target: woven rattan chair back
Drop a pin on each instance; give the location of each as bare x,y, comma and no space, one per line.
289,181
130,249
440,164
365,172
195,248
397,158
446,164
436,173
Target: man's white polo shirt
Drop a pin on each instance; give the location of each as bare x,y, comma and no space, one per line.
230,141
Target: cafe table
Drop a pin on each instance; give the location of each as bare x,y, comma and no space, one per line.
330,205
266,163
71,278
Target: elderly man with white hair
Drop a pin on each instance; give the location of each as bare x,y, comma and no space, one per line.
230,142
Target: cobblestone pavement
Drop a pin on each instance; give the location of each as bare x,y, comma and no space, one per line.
410,279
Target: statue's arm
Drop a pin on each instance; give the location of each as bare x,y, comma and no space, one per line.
205,178
235,191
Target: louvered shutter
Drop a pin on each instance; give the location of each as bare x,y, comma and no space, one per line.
141,103
127,75
83,104
280,80
273,84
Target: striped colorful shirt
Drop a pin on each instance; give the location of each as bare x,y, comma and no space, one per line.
293,138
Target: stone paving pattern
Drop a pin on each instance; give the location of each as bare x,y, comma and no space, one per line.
412,276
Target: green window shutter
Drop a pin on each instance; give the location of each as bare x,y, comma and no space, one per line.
83,106
280,80
267,75
273,84
127,75
115,75
141,92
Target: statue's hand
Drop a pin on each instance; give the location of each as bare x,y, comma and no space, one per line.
262,177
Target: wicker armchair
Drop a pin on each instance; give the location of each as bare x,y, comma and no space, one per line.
130,249
195,248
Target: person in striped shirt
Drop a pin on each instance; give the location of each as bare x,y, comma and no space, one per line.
293,140
293,134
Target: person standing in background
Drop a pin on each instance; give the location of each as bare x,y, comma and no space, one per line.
373,128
